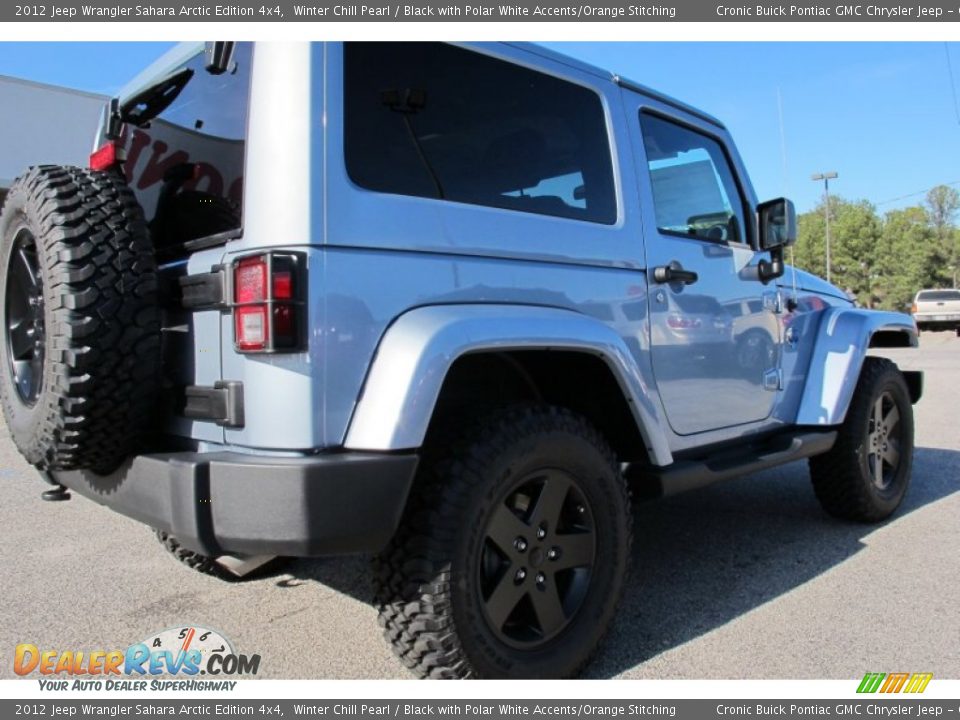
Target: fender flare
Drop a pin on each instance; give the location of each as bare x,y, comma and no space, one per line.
418,349
841,344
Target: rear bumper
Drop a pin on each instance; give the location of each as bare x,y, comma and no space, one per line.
946,321
238,504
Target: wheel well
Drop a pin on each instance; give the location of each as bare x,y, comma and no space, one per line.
891,338
580,381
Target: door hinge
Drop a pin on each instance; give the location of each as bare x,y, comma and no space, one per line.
205,291
222,403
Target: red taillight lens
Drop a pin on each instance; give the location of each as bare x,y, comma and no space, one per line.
282,285
250,280
266,312
105,157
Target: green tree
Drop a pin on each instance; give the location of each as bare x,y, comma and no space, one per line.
855,231
907,258
943,203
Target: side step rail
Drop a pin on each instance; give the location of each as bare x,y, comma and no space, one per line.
686,475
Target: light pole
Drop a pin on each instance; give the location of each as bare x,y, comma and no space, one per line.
826,177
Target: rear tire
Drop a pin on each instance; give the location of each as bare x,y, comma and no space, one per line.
512,553
193,560
866,474
208,565
79,369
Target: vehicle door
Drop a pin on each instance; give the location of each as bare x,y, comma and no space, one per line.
714,332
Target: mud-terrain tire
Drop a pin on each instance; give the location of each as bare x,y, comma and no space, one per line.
878,428
79,368
193,560
454,602
208,565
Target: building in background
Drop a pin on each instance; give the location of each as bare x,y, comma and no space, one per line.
42,124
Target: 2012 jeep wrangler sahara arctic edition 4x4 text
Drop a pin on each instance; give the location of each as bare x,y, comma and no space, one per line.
444,304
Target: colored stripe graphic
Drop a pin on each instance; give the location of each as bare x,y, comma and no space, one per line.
918,682
870,682
894,682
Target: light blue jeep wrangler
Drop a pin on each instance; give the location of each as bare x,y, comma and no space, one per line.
445,304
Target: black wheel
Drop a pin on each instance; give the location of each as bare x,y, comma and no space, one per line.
79,356
866,474
512,553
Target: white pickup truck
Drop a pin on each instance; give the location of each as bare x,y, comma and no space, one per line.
937,310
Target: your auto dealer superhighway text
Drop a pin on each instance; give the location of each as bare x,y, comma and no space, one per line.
839,11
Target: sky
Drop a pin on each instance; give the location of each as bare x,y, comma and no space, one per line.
884,116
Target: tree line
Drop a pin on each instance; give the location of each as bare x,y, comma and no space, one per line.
883,260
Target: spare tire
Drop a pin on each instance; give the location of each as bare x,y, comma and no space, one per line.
79,356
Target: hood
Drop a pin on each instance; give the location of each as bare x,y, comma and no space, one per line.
810,283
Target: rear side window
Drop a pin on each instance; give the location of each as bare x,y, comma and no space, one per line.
436,121
694,190
939,295
186,165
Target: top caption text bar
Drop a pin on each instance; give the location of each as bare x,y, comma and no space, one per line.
476,10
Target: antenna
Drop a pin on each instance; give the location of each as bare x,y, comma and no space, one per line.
784,184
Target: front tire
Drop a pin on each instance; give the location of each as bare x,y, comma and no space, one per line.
512,553
866,474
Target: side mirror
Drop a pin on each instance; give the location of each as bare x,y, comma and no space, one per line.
778,223
778,229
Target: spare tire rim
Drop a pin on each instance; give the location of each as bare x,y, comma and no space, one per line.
537,559
884,441
25,337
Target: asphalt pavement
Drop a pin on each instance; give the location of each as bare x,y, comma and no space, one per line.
744,579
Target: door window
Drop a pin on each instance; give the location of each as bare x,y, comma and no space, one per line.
694,190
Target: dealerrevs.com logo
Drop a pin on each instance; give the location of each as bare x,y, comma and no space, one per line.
894,682
184,652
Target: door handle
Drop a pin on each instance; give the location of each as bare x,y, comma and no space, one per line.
674,272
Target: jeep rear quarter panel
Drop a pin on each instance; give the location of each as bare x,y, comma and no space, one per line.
373,256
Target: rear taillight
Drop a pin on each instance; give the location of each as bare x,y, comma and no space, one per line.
105,157
266,305
913,308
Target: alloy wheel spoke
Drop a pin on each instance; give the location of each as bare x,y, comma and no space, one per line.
548,609
23,376
891,418
877,415
504,599
24,269
576,550
876,468
550,502
505,527
21,340
892,453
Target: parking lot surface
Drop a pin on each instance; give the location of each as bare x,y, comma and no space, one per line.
744,579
